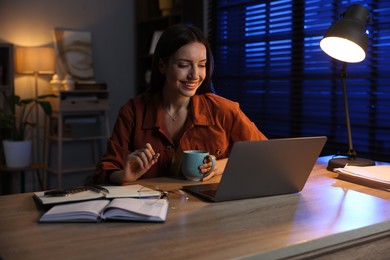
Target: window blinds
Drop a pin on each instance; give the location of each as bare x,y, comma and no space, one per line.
267,58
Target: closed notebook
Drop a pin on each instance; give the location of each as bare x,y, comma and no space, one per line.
123,209
128,191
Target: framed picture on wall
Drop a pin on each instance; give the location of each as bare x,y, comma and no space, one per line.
74,54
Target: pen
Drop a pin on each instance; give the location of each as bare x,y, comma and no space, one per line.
56,193
62,193
98,189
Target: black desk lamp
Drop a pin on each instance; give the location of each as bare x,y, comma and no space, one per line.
346,40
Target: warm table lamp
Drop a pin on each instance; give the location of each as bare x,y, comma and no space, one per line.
35,61
346,40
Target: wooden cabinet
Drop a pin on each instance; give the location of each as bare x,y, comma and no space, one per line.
78,116
149,20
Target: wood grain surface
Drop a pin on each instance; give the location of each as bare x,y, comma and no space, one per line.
329,217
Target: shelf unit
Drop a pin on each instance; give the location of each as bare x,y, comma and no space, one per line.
149,20
78,116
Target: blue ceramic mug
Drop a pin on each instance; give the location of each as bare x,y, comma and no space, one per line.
191,160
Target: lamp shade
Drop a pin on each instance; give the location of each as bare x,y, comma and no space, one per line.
346,40
30,60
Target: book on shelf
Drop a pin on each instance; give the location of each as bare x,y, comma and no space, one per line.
80,120
120,209
90,85
75,98
83,193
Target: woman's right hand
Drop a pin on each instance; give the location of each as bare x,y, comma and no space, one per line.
138,163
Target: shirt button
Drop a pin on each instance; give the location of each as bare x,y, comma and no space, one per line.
169,147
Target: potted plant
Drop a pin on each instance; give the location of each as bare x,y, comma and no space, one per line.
15,127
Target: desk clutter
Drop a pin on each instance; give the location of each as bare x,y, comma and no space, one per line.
99,203
329,219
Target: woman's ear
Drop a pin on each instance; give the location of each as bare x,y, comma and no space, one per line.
161,66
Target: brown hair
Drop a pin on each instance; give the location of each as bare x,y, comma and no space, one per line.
172,39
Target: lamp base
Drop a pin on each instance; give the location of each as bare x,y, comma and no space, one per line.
341,162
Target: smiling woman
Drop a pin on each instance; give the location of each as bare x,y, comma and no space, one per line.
179,112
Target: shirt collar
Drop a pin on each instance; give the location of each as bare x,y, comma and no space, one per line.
199,109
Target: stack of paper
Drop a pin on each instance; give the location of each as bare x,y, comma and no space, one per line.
377,176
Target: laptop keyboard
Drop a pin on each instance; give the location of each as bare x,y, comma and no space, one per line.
209,192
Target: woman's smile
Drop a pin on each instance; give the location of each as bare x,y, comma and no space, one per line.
190,85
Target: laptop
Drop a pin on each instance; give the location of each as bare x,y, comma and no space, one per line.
263,168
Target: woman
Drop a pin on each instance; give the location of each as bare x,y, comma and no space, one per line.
179,112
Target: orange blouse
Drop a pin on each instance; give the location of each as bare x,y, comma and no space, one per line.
214,124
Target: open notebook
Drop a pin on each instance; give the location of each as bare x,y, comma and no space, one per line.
264,168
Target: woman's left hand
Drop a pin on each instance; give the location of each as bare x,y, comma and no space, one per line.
218,169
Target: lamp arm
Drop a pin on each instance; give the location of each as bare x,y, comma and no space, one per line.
351,150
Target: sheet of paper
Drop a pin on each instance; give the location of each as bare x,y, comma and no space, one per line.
379,173
76,212
137,209
130,191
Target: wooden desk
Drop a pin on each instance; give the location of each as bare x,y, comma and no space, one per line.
329,216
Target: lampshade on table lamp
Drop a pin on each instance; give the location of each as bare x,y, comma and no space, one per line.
35,61
346,40
31,60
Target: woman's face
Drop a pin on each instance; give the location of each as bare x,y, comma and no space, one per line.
185,70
